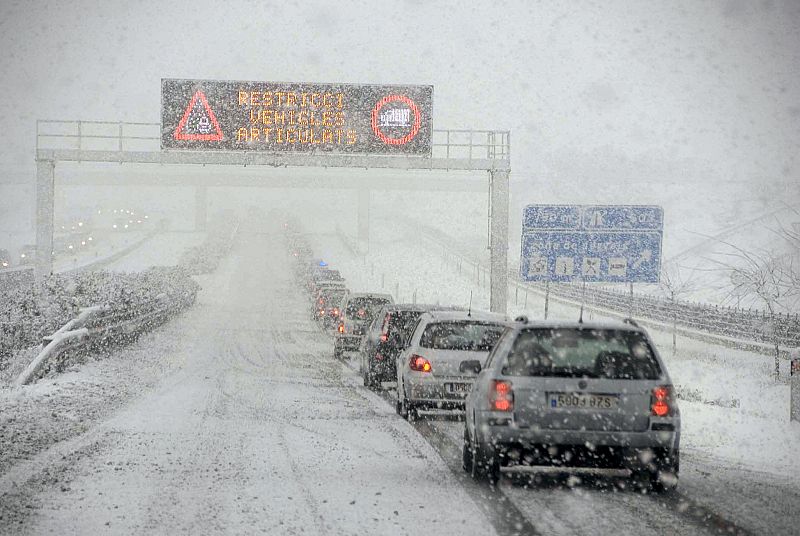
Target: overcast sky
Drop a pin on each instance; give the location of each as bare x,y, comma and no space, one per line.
679,90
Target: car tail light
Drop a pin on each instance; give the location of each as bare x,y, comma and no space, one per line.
384,337
321,301
322,312
335,311
419,363
661,402
341,328
501,396
378,356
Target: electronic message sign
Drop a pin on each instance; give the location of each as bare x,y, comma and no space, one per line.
296,117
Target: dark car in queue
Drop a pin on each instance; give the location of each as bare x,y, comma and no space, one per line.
356,312
323,277
574,395
326,304
386,337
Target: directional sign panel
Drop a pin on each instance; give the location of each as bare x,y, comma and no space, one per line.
296,117
591,243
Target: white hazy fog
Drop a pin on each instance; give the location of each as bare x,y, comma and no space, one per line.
598,95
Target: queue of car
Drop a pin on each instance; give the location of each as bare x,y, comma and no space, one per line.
563,395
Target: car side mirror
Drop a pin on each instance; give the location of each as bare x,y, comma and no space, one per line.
472,365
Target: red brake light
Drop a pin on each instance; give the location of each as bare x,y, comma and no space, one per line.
501,396
335,311
661,401
419,363
341,328
384,337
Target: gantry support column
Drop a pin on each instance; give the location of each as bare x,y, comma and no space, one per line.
200,208
45,194
498,240
364,194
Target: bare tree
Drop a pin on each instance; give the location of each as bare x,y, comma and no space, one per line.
767,277
674,283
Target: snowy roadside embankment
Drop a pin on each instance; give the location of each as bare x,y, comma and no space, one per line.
205,257
122,306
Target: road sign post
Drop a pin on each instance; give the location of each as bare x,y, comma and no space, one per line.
45,195
592,243
794,400
498,241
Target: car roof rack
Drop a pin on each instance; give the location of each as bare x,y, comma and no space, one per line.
631,321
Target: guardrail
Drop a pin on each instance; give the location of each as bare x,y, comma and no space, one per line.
757,326
734,324
98,326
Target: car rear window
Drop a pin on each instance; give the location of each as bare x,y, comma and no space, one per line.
332,298
591,353
401,323
461,335
328,275
364,308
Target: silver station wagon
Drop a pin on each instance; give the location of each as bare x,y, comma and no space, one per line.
574,395
444,354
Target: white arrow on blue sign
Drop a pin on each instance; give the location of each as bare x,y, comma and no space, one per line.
593,243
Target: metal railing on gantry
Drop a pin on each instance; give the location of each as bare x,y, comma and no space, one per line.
119,141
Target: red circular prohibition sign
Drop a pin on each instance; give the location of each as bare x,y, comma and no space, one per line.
414,129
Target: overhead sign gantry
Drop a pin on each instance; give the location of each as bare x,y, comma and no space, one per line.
280,124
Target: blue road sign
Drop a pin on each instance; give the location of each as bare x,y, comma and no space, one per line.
619,244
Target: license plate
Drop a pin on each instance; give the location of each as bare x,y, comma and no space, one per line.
583,401
458,388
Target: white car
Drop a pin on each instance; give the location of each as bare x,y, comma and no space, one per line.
447,348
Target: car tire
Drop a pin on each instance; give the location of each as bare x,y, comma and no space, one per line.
484,465
467,454
369,377
665,476
406,411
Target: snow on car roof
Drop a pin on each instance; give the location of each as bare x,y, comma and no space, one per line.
562,323
467,315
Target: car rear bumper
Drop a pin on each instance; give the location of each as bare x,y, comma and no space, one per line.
434,392
348,342
499,431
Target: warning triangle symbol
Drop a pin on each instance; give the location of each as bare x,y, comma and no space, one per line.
199,122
